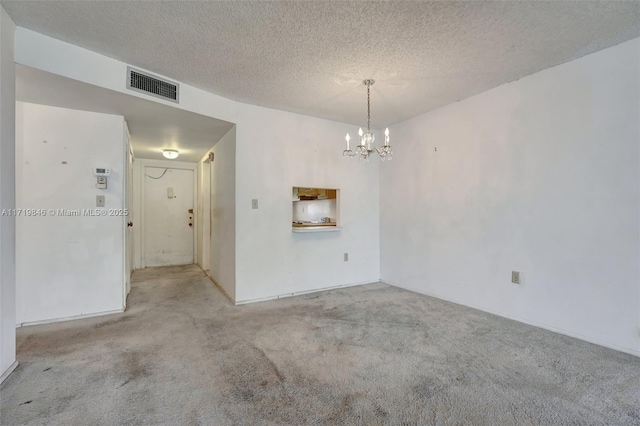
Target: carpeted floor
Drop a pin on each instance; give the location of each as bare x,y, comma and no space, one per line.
368,355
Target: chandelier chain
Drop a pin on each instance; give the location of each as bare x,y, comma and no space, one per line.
368,107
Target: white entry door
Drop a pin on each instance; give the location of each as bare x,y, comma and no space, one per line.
168,216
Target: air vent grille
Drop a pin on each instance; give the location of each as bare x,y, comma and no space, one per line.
137,80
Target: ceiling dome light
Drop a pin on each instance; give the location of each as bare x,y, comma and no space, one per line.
171,154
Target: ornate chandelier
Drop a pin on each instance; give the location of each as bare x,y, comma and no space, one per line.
365,148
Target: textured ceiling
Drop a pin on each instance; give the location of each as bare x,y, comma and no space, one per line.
310,57
153,126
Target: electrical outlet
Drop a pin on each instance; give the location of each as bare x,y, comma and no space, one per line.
254,203
346,257
99,200
515,277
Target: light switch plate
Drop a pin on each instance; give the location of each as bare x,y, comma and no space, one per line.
99,200
254,203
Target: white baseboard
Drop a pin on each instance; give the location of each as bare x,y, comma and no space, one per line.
525,321
8,372
72,318
299,293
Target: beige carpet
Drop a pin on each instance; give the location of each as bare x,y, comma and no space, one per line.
368,355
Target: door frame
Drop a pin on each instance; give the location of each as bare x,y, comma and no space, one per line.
128,234
204,197
167,164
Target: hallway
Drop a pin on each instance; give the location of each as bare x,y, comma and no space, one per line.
374,354
117,369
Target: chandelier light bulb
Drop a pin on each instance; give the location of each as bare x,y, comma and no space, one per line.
386,132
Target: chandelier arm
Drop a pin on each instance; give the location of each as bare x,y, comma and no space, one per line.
384,151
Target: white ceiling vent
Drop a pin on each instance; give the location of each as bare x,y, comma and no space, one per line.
144,82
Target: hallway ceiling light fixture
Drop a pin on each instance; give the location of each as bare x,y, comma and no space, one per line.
171,154
365,148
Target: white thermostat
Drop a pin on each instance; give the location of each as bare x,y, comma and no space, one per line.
101,172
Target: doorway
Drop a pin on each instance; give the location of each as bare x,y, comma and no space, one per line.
168,204
128,207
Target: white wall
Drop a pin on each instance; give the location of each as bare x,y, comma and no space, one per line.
276,151
314,210
222,264
539,176
48,54
67,265
7,197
